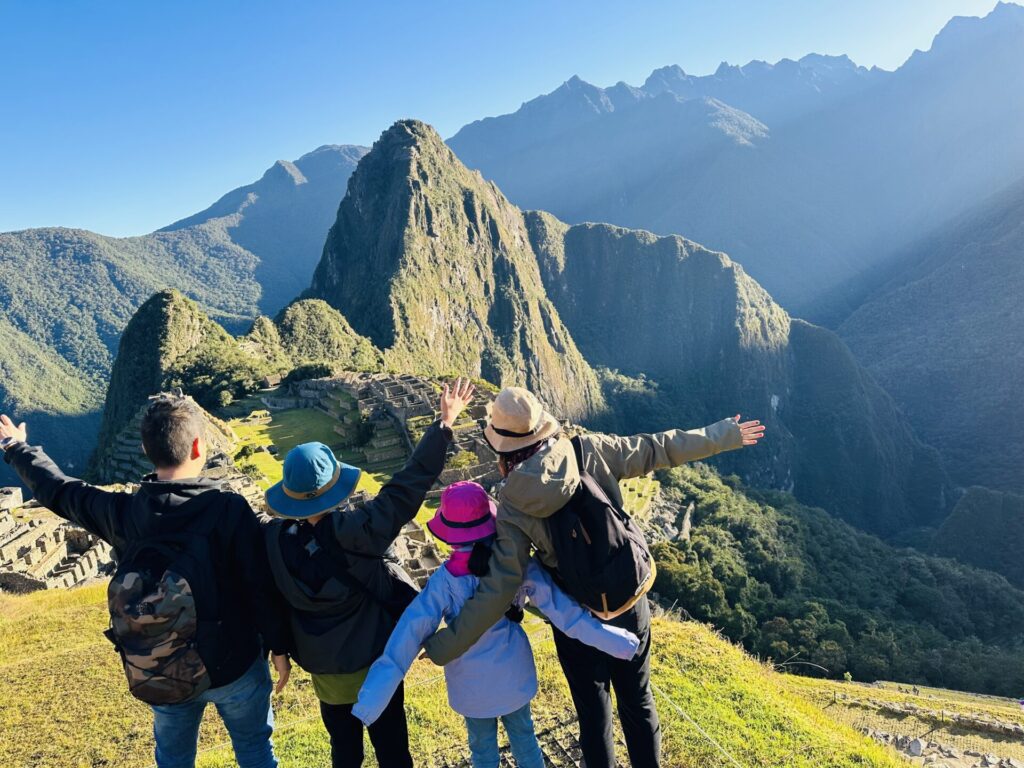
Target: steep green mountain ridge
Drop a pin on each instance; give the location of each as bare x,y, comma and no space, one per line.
716,343
434,265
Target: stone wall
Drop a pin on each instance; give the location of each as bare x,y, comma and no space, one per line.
44,552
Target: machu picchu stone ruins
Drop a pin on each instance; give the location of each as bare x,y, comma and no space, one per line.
38,550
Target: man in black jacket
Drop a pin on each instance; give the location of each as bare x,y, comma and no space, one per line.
332,564
172,501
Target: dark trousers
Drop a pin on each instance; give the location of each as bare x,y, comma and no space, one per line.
389,735
592,674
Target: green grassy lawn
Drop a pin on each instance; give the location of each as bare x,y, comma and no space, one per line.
65,704
293,427
286,430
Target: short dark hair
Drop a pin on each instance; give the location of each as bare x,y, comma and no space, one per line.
169,426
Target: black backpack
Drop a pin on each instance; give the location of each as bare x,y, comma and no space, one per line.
603,558
162,599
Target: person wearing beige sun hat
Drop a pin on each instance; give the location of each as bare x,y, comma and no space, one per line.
518,420
545,473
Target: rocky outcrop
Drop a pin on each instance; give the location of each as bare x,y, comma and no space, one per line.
434,265
170,342
311,331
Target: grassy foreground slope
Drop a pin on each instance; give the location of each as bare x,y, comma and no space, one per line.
65,703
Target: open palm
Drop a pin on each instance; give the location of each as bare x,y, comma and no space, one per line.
9,429
454,400
752,431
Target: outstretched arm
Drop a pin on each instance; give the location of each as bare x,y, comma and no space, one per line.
97,511
372,529
575,620
640,454
418,622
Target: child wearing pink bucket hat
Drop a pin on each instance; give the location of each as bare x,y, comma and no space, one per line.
495,679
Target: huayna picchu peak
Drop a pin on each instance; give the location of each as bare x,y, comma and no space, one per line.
434,265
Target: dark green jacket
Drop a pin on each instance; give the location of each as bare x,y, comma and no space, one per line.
341,622
541,486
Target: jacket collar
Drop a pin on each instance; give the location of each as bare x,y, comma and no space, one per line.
545,482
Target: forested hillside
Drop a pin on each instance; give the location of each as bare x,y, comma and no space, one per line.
794,584
941,329
985,529
67,294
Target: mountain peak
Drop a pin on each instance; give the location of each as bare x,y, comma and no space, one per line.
284,172
434,266
1005,22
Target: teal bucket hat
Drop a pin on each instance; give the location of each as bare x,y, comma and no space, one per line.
314,482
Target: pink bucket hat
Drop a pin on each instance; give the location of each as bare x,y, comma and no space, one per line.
466,514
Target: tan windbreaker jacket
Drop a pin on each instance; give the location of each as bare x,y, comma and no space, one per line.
544,484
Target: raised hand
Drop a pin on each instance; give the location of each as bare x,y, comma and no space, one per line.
9,429
455,399
752,431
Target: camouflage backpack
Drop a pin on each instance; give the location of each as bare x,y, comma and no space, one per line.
162,599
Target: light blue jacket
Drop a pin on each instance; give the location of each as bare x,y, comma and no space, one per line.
496,676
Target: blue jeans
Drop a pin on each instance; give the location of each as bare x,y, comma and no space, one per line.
483,740
243,705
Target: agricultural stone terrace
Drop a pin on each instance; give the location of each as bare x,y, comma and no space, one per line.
40,551
401,407
124,461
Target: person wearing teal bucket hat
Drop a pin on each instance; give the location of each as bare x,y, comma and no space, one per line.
345,593
314,482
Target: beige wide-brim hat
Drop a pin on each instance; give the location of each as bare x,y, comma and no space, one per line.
518,420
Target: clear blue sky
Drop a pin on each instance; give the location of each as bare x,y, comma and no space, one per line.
121,117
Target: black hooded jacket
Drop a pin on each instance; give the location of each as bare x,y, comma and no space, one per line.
250,605
347,591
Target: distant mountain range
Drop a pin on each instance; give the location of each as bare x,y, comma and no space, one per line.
67,294
283,218
822,178
806,172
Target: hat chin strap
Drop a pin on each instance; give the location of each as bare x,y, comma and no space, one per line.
510,433
306,496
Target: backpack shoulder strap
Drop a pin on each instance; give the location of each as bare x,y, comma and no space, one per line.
577,449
